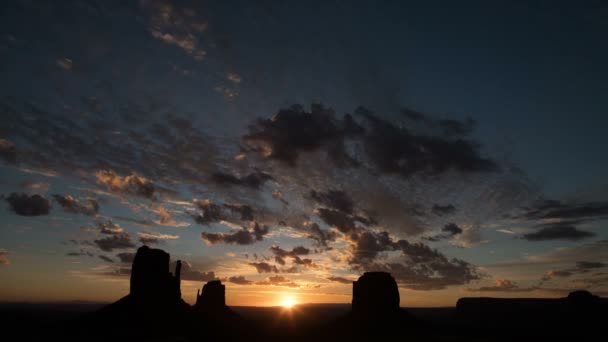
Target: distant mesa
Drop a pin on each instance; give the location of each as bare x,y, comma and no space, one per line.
580,308
212,297
151,280
375,293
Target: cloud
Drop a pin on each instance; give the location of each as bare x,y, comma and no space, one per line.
109,228
263,267
340,280
72,205
40,187
176,26
82,252
399,150
449,230
320,236
552,209
189,273
293,131
558,231
126,257
391,149
243,236
334,199
3,257
253,180
165,217
503,285
211,212
26,205
132,184
8,152
337,219
556,274
442,210
278,281
116,241
587,265
417,267
105,258
240,280
148,238
280,254
245,211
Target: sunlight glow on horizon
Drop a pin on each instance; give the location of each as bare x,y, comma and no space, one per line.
289,302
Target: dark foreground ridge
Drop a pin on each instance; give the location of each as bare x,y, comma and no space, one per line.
155,311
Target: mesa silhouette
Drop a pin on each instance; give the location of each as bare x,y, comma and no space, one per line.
154,310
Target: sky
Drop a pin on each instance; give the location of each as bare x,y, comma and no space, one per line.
286,148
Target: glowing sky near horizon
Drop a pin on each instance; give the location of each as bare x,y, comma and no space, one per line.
288,148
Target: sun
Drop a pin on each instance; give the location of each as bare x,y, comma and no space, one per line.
288,302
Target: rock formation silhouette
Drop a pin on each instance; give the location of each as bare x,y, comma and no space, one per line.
578,313
151,281
375,293
212,297
154,300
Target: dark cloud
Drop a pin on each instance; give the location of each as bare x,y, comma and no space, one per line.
304,262
558,232
447,127
126,257
132,184
586,265
337,219
240,280
263,267
189,273
116,241
334,199
556,274
243,236
26,205
253,180
340,280
441,210
245,211
72,205
8,152
280,255
82,252
503,285
552,209
449,230
417,267
293,131
278,281
105,258
211,212
397,149
320,236
139,222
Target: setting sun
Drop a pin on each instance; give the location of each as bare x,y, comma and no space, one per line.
288,302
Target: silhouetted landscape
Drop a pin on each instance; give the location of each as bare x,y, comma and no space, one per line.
154,310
